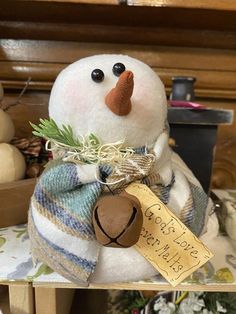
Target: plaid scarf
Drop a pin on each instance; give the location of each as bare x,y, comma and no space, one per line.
60,216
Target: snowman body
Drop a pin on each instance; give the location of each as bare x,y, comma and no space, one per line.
117,98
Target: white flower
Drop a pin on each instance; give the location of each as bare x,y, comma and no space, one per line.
162,307
185,309
220,308
191,304
159,303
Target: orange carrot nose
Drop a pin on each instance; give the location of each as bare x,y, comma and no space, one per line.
118,99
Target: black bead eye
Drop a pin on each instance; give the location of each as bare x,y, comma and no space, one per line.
97,75
118,68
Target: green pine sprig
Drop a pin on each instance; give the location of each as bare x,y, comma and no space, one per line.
49,130
83,149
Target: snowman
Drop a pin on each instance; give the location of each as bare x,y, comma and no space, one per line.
120,100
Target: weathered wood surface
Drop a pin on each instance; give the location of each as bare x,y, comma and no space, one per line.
14,202
214,69
200,4
140,286
21,299
53,301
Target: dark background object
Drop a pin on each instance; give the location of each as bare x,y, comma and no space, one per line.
194,133
183,88
89,302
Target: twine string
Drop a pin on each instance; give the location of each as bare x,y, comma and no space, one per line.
109,183
112,153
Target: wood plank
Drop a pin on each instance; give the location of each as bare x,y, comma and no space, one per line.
126,34
215,94
100,2
21,299
15,198
155,56
15,85
65,12
31,108
38,71
209,83
53,301
134,286
141,286
225,5
200,4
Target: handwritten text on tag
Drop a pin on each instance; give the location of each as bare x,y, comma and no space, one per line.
165,241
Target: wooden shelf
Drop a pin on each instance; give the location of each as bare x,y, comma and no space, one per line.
156,286
141,286
226,5
14,203
112,2
18,299
200,4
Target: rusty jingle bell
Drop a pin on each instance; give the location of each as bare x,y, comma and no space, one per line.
117,220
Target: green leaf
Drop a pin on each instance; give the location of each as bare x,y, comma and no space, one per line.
43,270
20,232
49,130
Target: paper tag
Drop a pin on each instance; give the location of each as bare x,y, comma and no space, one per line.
165,241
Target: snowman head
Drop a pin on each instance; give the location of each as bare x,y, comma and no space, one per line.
115,97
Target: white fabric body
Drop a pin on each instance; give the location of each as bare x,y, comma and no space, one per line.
78,101
64,240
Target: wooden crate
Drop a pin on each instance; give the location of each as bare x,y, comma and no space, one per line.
14,201
15,196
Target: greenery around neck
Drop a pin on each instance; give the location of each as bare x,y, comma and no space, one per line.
49,130
82,149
